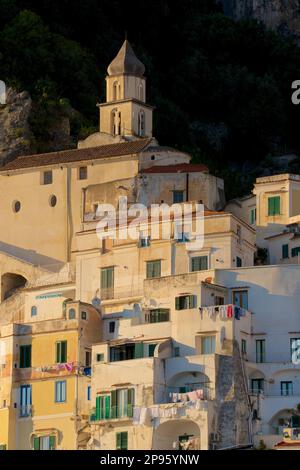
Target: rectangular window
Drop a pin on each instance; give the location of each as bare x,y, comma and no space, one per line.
99,357
295,349
244,346
47,177
25,401
89,392
88,358
151,349
257,385
199,263
260,350
122,440
126,352
145,242
185,302
112,326
61,352
157,315
82,173
178,196
177,351
252,216
153,269
286,388
274,205
44,443
83,316
295,251
285,251
208,345
60,391
240,298
107,283
239,262
25,356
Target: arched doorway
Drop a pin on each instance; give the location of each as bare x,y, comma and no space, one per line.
176,434
10,283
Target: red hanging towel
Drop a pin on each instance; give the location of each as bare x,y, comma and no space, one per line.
229,311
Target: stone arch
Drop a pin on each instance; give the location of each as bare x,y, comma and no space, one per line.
171,434
280,420
188,381
10,283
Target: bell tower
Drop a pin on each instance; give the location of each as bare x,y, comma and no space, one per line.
125,114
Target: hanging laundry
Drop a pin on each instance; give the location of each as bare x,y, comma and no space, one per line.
222,312
143,415
201,312
200,394
211,311
229,311
237,312
136,415
155,412
192,395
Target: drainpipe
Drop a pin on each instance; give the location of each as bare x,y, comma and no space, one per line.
249,419
187,186
76,390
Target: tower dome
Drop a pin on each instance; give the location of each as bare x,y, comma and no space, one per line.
126,62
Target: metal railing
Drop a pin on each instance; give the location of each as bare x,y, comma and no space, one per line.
114,412
25,411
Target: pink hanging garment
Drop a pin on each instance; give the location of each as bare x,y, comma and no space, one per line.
229,311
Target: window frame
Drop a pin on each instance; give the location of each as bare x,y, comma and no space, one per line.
59,352
274,206
260,354
151,269
199,258
60,391
82,177
25,358
45,174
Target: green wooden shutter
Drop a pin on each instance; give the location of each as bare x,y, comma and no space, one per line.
98,404
138,350
64,351
28,358
36,443
52,442
114,410
124,440
107,278
177,303
130,402
107,407
118,441
285,251
192,301
277,205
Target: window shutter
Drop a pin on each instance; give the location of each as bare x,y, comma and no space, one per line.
151,350
192,301
57,352
63,390
98,408
52,442
64,351
124,440
118,441
28,360
107,407
130,402
177,303
36,443
277,205
138,350
114,411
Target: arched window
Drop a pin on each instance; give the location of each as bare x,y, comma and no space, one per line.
115,91
141,123
33,311
72,314
116,122
2,92
141,92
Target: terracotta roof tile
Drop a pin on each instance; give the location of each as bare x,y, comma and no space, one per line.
179,168
77,155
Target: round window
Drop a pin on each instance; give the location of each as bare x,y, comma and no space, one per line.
53,200
16,206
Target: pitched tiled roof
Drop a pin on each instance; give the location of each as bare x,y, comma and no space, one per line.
77,155
178,168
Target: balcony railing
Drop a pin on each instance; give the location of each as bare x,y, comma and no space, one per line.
25,411
114,412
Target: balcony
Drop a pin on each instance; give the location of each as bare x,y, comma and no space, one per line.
114,293
179,393
113,413
25,411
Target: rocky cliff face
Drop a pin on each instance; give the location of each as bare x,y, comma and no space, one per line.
15,134
283,15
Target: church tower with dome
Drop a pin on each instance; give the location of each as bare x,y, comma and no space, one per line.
125,115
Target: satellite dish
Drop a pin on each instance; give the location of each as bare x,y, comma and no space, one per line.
96,302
